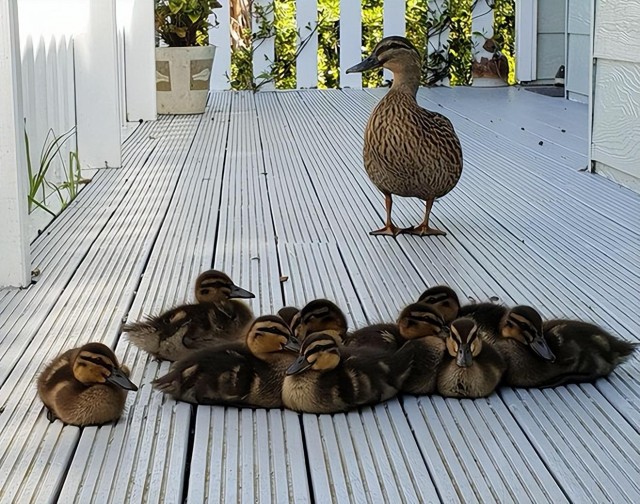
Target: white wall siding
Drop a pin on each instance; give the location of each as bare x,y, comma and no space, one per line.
615,150
551,38
578,49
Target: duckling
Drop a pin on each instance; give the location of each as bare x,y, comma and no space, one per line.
415,321
487,317
556,352
383,337
216,318
445,299
288,313
408,151
237,374
85,386
327,378
425,331
471,367
320,315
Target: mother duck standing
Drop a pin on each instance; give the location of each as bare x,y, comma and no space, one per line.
408,150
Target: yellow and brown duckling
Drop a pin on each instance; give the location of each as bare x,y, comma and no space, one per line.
216,317
471,368
425,331
236,374
445,299
556,352
408,150
85,386
288,313
320,315
328,378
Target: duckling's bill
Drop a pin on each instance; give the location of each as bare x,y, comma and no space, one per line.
464,358
239,292
117,377
539,345
301,364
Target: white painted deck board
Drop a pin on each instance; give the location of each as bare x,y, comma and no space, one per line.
272,185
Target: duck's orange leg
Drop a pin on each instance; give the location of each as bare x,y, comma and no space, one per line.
389,229
424,229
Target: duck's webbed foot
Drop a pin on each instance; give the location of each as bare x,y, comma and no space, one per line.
425,230
390,230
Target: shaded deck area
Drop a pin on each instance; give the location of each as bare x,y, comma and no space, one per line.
269,186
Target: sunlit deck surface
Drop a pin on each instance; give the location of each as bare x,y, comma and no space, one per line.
271,185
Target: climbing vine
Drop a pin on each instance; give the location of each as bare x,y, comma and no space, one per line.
424,22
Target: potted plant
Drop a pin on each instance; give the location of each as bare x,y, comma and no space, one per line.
183,69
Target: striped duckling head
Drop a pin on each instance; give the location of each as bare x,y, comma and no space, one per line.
214,285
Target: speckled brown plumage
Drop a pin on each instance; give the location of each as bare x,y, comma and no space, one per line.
408,150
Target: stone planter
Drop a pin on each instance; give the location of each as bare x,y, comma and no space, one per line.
182,78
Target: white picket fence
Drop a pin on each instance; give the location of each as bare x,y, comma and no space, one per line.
350,39
48,90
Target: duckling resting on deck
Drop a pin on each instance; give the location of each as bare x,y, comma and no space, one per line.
445,299
472,367
327,378
85,386
236,374
556,352
408,151
320,315
216,318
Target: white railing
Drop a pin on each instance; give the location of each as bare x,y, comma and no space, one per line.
48,91
350,39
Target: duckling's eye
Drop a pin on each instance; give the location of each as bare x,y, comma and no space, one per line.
205,291
509,324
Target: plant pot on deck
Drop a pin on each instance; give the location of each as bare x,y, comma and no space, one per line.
182,78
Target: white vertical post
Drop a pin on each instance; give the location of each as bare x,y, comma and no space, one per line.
140,62
440,41
14,244
482,24
264,49
393,23
350,42
307,63
97,100
221,38
526,40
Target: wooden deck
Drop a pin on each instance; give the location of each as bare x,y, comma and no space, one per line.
271,185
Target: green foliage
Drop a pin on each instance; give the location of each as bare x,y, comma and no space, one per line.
38,183
287,37
460,45
422,23
184,23
328,36
372,32
504,33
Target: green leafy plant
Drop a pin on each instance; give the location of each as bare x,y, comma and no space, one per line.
184,23
38,183
425,20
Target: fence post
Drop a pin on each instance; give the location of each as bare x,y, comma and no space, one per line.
307,63
220,37
140,61
263,49
350,42
394,23
97,100
15,265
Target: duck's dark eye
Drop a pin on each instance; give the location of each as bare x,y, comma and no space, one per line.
204,291
509,323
